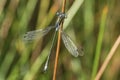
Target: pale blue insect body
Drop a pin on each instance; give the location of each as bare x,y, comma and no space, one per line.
71,47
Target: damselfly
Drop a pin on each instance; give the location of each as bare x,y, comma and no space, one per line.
71,47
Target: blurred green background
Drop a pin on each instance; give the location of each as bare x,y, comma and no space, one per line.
92,24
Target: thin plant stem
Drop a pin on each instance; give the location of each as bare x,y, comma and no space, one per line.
108,58
72,12
99,42
58,43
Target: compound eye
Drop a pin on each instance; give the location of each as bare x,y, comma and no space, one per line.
57,13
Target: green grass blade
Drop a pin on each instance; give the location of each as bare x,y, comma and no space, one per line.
99,42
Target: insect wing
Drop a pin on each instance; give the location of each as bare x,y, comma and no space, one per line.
71,47
31,35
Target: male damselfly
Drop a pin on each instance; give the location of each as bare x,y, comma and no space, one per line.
71,47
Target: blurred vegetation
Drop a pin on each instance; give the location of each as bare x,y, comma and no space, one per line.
94,25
